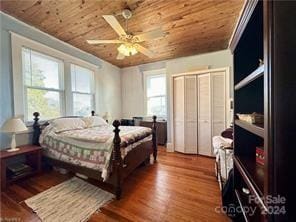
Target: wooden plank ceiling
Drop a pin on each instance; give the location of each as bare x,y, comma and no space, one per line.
191,26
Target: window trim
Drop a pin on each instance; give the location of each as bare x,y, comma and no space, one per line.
17,43
154,73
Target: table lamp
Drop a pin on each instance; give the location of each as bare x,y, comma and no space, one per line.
13,125
107,117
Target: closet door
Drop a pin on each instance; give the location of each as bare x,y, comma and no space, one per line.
179,114
218,103
191,114
204,114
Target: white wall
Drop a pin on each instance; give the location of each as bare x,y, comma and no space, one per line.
132,78
132,92
108,91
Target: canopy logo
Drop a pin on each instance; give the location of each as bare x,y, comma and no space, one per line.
271,205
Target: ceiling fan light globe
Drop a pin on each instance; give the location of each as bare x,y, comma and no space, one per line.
133,51
127,50
123,50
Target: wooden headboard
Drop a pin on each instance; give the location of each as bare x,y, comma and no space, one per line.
37,127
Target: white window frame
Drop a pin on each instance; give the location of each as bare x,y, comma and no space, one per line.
149,74
17,43
92,92
61,89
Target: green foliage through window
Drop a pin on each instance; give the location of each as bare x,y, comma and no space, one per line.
41,74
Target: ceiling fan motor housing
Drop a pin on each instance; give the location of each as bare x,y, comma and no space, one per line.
126,13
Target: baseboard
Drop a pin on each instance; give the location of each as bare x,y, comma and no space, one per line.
169,147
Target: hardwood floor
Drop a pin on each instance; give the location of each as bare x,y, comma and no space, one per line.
177,188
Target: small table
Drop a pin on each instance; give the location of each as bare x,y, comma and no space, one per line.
33,156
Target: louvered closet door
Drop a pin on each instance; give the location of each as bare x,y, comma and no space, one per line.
204,114
218,103
179,114
190,114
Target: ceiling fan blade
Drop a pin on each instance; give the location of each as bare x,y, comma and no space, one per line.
145,51
120,56
114,24
102,41
154,34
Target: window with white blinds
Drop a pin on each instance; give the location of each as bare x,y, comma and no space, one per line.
82,90
156,95
43,84
52,83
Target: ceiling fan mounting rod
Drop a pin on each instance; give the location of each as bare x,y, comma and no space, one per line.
126,14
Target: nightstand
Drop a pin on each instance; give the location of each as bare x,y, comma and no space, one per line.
32,156
161,130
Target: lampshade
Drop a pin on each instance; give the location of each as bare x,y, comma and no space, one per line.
107,116
14,125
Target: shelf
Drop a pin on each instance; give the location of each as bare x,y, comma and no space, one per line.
242,200
245,204
254,75
253,175
253,171
257,129
9,180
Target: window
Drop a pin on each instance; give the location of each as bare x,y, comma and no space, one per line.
43,84
156,95
52,82
82,90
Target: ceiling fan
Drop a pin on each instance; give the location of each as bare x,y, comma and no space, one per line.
129,43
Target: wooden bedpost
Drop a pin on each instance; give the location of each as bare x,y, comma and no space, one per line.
36,129
117,160
92,113
154,139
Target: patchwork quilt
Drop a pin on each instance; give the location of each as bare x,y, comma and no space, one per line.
91,147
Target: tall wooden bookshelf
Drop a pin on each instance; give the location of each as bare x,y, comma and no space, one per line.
267,31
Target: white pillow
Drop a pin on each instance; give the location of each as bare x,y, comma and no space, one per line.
64,124
92,121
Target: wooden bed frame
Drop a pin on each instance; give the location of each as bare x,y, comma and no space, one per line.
121,168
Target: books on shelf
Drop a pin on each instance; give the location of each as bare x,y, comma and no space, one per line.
254,118
17,169
260,155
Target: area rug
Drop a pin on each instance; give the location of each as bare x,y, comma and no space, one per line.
71,201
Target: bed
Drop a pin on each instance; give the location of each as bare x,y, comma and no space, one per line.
223,150
108,153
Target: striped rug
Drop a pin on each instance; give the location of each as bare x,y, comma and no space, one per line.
71,201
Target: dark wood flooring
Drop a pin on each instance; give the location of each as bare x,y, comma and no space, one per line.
177,188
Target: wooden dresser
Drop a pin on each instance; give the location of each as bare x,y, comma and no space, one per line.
161,130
